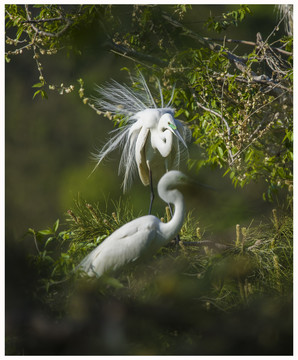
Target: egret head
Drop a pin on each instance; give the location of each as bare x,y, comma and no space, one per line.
167,122
173,179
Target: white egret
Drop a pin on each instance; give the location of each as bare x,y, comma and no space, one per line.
285,13
142,236
151,137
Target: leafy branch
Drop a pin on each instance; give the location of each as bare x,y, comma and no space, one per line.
239,106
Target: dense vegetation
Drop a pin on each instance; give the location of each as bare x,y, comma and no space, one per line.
205,297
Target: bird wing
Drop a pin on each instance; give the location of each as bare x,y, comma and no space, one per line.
125,245
141,156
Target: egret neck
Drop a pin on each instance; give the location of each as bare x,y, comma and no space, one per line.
172,228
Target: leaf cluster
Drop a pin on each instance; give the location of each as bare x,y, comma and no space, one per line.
231,18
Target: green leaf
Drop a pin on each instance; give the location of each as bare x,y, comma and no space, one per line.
65,256
112,282
37,85
179,112
42,93
36,93
49,240
220,152
31,231
56,225
45,232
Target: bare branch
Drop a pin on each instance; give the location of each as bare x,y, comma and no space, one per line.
208,243
46,33
245,42
43,20
131,53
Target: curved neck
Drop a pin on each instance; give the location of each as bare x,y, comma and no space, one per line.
172,228
162,141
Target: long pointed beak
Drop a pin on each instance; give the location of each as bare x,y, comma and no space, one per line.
173,128
177,133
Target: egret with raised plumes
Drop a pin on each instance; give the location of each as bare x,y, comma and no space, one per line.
152,140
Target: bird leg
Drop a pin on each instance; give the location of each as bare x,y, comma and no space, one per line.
151,191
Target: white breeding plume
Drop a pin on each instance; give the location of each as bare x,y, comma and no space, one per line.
285,13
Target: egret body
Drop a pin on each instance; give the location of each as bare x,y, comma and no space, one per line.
142,236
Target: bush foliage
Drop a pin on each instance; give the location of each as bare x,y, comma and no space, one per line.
202,281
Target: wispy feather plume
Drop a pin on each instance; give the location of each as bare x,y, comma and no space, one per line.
131,103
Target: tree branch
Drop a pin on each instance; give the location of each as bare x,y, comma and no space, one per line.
208,243
250,43
43,20
46,33
127,52
237,61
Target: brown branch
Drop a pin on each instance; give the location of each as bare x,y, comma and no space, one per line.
251,138
46,33
43,20
211,111
237,61
261,80
208,243
192,34
245,42
131,53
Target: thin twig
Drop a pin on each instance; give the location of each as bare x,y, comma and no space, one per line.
237,61
35,242
258,80
46,33
258,128
231,156
245,42
276,27
129,58
133,54
212,112
208,243
15,52
43,20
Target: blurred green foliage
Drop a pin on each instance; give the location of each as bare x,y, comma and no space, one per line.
187,291
259,258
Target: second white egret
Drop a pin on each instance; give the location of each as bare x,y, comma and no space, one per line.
142,236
